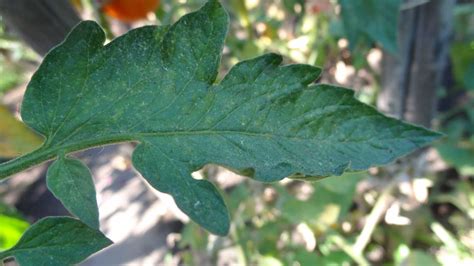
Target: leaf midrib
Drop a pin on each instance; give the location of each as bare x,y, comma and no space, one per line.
48,151
140,137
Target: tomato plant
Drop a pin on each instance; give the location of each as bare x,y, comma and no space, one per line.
156,86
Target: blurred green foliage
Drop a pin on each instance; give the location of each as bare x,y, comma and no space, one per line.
15,138
459,154
271,229
12,227
263,26
462,51
458,122
367,21
14,60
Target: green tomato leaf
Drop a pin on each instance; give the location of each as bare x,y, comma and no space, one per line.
372,20
71,182
57,241
156,86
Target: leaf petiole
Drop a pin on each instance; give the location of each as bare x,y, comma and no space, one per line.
26,161
46,153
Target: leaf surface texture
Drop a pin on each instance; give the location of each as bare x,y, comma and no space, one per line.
157,86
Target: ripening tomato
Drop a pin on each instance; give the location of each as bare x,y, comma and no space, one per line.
129,10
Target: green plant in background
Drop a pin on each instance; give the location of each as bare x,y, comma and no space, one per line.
157,86
266,229
9,77
12,226
383,16
458,123
12,53
462,51
15,137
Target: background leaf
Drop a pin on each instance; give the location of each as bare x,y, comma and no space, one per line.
15,137
371,20
11,229
327,204
462,55
460,155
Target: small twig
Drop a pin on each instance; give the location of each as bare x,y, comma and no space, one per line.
245,256
341,243
445,236
372,220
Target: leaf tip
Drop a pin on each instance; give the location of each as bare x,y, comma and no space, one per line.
87,30
427,136
222,229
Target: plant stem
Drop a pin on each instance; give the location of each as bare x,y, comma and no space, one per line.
447,238
379,209
26,161
340,242
47,152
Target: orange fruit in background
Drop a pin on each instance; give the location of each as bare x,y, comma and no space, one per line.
129,10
